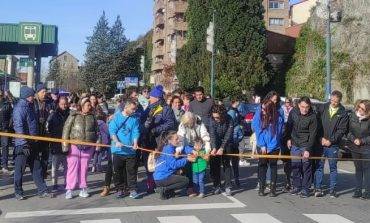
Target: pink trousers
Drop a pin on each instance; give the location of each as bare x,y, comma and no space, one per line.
78,166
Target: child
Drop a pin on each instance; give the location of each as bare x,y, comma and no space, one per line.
199,167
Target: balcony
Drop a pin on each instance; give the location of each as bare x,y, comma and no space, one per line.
177,7
177,25
158,35
159,20
158,50
157,66
159,4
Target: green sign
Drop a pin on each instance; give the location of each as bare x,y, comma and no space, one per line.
30,33
25,62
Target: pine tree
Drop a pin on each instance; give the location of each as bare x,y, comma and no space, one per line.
54,72
240,40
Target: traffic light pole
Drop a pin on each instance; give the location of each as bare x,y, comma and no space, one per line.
213,61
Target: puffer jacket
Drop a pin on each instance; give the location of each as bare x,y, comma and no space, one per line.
81,127
359,129
25,121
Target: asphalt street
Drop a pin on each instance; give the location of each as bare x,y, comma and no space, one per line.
245,206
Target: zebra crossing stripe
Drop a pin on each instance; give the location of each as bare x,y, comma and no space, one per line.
255,217
102,221
179,219
325,218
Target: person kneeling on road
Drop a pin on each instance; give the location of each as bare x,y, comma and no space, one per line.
166,165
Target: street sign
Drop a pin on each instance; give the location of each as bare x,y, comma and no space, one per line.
50,84
25,62
120,85
132,81
30,33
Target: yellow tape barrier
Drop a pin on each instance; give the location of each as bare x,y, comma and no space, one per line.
245,156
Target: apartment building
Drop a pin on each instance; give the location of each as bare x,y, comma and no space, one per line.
276,15
169,34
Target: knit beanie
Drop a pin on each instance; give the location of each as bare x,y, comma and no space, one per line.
26,92
40,87
157,92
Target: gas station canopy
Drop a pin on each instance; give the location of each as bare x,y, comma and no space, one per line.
15,39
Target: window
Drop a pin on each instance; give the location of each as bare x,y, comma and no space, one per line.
276,5
276,22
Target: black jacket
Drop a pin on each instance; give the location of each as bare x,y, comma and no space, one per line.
332,129
359,130
5,114
54,128
302,129
221,134
43,109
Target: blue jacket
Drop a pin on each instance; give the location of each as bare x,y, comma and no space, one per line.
127,129
25,121
238,132
264,137
166,165
160,117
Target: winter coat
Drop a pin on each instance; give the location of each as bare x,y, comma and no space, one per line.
54,128
203,110
188,135
302,129
221,134
5,114
238,132
83,127
359,130
43,110
25,121
333,128
166,165
158,118
265,137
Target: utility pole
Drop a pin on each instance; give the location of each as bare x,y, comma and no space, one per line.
328,54
211,48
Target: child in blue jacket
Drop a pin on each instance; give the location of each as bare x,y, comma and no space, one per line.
167,164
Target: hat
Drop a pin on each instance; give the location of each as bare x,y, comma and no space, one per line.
54,91
157,92
26,92
40,87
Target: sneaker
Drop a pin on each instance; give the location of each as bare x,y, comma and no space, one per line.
365,195
19,197
217,191
319,193
161,191
305,194
191,192
268,188
295,191
228,191
93,169
357,194
201,195
170,194
192,195
333,194
244,163
287,188
134,195
120,194
84,193
69,194
257,187
46,194
105,191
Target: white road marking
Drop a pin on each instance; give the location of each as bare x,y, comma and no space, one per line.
327,218
179,219
102,221
175,207
345,171
255,217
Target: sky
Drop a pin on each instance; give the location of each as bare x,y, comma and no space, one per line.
76,18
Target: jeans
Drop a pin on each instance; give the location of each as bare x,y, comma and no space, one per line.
215,170
173,182
125,172
33,160
97,159
287,165
263,165
362,171
198,180
57,161
4,151
302,170
328,152
43,148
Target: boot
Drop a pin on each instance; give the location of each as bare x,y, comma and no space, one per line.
105,191
272,190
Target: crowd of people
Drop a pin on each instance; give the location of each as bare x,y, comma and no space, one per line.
189,132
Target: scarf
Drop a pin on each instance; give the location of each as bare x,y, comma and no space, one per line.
361,117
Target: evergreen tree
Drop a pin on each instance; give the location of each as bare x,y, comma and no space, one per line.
54,72
240,40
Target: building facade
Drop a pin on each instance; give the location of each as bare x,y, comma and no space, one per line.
276,15
69,70
169,34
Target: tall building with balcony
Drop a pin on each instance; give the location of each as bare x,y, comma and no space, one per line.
169,34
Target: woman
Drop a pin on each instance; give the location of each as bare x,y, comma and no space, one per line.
187,98
221,133
81,125
166,166
359,136
268,126
176,104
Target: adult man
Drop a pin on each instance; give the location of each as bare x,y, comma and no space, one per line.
25,122
5,116
43,108
124,129
334,121
202,106
301,133
157,119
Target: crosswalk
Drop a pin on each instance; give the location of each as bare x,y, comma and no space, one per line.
242,218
